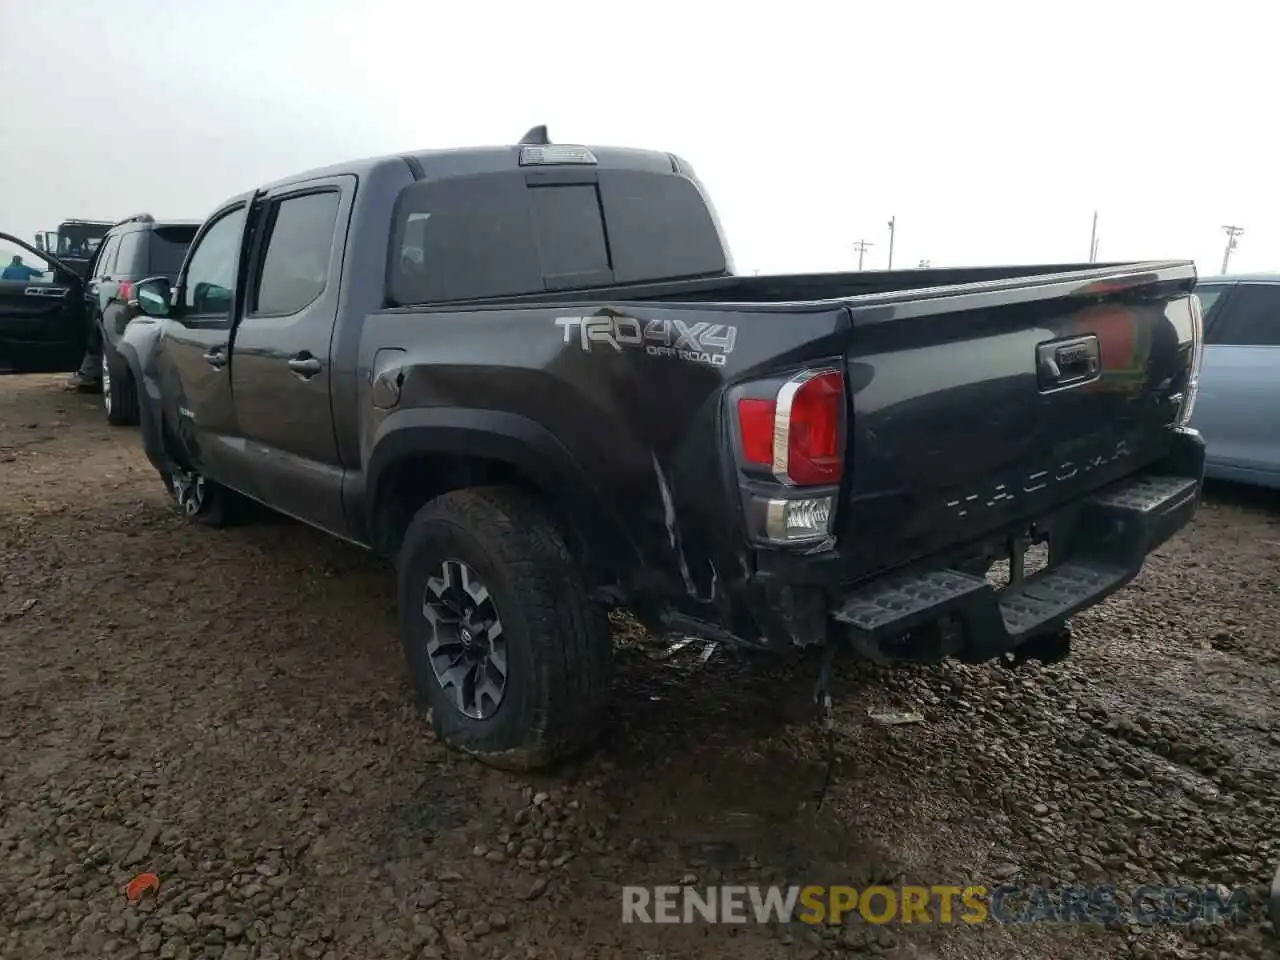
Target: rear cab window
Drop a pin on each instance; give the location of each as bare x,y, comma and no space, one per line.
529,231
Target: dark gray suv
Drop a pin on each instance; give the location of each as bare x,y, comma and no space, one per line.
132,250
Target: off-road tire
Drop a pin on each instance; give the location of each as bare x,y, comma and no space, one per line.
121,391
559,652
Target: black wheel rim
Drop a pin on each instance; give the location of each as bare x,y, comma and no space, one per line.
465,643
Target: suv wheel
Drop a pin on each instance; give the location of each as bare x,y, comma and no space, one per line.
119,394
201,499
506,650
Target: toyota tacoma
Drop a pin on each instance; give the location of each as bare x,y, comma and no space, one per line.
529,376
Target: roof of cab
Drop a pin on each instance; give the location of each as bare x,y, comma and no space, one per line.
437,164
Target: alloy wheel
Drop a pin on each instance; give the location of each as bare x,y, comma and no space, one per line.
189,490
106,382
466,646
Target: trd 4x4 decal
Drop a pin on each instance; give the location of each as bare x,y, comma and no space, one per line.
701,342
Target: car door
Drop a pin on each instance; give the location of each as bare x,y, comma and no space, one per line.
194,355
98,271
280,370
44,309
1240,380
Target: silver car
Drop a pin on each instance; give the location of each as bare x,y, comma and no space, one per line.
1238,405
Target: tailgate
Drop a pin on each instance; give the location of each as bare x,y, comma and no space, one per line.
981,406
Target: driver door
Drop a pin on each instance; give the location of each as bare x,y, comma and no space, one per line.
40,312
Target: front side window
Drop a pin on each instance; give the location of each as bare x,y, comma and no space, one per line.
295,267
209,284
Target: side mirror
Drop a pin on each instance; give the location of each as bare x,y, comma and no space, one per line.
152,296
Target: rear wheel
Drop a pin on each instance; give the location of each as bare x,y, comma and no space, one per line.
119,394
506,650
202,500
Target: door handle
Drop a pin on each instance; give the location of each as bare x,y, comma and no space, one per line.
305,366
216,358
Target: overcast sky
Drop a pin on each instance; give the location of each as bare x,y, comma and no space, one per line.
990,130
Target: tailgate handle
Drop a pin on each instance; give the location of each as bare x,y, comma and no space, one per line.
1068,363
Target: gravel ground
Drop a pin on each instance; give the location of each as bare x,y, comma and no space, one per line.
229,710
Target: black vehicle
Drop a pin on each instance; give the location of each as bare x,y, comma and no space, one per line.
75,242
42,324
529,375
133,249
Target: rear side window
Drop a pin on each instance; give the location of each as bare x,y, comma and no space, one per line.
1251,318
169,248
515,233
295,267
131,256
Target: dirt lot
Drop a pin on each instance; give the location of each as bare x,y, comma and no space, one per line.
228,710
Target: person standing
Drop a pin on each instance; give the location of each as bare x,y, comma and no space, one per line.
17,270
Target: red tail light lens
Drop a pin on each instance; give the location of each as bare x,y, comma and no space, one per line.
125,290
797,434
813,430
755,421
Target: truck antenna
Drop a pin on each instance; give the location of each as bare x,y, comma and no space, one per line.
536,137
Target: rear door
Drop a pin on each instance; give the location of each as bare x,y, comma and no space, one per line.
43,306
1240,380
193,355
280,372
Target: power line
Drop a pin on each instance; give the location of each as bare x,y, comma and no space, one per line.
1233,234
861,246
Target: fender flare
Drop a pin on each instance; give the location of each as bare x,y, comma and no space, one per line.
533,450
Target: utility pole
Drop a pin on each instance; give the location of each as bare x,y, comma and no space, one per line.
861,246
1233,234
1093,240
892,223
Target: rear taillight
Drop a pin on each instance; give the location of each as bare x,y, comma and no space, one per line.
125,290
1197,357
797,435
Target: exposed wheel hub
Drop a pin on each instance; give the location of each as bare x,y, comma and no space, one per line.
465,644
189,490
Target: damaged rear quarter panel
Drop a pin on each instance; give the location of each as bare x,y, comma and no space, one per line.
632,392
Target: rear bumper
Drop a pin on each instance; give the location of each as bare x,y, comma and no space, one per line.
1097,546
946,607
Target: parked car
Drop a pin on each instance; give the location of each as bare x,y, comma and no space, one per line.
133,249
42,325
1240,383
529,376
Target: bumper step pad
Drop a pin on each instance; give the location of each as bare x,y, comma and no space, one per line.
1120,526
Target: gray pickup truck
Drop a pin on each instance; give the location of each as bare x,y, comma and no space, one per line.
529,376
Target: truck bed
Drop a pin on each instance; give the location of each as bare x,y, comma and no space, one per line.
794,290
